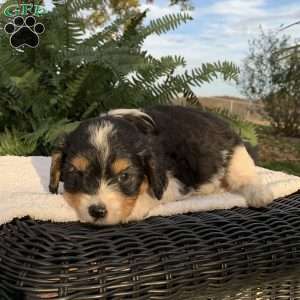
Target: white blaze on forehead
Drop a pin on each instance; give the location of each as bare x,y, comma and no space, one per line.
127,111
100,137
131,112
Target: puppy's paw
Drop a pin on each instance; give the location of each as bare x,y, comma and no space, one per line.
257,195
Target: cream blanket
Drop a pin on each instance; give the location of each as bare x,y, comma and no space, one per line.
24,192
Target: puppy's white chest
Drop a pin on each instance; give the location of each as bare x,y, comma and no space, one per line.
173,191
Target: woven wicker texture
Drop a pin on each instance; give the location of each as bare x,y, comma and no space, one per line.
226,254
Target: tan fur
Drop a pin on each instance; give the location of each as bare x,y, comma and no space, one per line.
144,186
241,177
127,206
80,163
145,202
241,169
73,200
55,170
118,206
120,165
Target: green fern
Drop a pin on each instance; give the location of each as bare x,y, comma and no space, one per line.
166,23
70,77
14,143
245,129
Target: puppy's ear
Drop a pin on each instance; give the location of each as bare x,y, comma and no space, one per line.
138,118
57,158
156,175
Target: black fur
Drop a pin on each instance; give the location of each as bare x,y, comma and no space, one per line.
185,142
192,142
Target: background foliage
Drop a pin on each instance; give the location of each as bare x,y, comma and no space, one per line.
271,73
78,72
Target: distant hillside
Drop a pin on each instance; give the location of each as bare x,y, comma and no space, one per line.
251,111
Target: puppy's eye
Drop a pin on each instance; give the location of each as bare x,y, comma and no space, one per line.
123,177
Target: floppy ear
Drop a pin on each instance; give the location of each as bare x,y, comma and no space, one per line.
57,158
156,175
138,118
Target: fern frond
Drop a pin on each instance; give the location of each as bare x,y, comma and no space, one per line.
74,86
14,143
165,24
154,68
210,71
59,128
245,129
8,83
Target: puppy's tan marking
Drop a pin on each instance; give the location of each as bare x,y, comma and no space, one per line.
142,204
241,177
120,165
241,169
55,170
127,206
80,163
144,186
73,199
129,203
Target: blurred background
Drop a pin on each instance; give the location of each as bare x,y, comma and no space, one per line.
237,58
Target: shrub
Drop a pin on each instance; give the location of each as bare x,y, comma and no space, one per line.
274,78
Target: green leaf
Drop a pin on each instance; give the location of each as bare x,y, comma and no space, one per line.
14,143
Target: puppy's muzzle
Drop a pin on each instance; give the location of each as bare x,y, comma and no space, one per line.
97,211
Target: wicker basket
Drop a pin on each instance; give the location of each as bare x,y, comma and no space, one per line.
226,254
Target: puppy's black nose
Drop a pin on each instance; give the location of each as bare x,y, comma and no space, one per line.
97,211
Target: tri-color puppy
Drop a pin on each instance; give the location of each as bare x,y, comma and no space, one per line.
116,167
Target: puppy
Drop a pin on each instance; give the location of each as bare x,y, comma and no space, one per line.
117,167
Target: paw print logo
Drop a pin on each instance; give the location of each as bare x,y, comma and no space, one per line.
24,32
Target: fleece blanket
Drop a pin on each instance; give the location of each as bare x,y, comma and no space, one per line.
24,192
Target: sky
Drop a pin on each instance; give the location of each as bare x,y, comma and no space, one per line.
220,30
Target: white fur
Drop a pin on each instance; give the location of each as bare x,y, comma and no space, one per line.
172,192
100,137
143,205
128,111
132,112
213,186
198,203
145,202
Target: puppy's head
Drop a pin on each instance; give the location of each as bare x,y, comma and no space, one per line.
107,164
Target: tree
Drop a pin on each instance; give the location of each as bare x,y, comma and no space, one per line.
274,79
296,47
105,10
72,76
